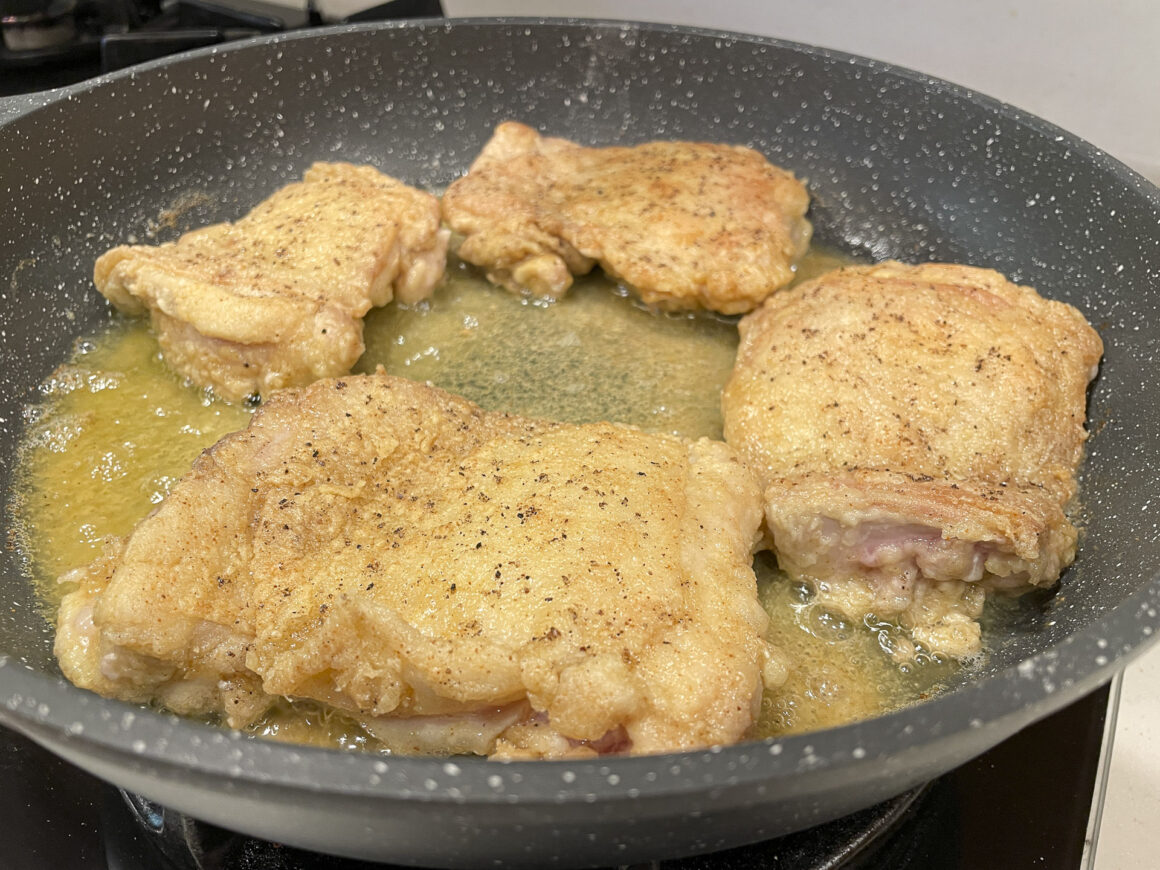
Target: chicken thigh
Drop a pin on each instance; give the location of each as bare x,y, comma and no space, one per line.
917,430
456,580
685,224
277,298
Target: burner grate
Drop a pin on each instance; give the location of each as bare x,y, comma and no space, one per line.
51,43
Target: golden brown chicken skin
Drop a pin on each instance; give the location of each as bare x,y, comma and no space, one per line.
454,579
276,299
685,224
917,430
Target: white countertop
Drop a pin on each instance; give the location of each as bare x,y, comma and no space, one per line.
1124,830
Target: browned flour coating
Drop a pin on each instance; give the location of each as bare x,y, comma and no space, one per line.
457,580
686,225
277,298
917,430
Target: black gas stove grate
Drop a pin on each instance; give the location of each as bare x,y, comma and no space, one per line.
51,43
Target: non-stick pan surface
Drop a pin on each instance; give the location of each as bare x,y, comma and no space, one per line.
899,165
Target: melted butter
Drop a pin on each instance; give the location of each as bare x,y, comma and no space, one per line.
839,671
312,724
116,430
597,354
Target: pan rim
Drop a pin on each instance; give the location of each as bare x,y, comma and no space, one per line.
25,693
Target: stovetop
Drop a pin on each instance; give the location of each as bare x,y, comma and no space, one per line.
52,43
1023,804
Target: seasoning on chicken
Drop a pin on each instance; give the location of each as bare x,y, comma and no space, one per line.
917,430
456,580
686,225
277,298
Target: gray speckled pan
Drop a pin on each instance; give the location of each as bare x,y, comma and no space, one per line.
899,165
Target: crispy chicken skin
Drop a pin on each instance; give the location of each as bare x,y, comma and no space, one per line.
457,580
917,430
686,225
277,298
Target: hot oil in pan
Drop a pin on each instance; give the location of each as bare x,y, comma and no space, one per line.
117,429
589,357
595,355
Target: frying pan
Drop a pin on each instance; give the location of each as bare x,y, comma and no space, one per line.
899,165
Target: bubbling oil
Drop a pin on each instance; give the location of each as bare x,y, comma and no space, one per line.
116,429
